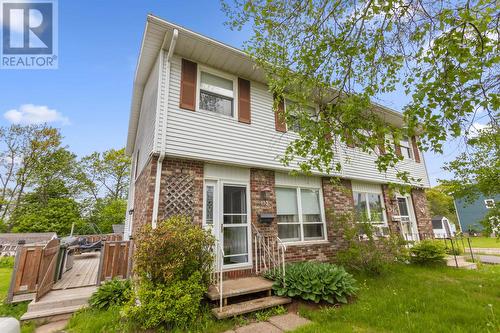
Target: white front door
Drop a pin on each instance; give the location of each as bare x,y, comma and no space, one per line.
408,226
227,214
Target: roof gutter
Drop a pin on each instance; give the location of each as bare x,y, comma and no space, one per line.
162,144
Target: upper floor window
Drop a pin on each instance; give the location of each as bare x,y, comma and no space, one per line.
406,149
368,207
299,214
294,109
216,94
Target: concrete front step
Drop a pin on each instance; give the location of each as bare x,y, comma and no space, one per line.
249,306
238,287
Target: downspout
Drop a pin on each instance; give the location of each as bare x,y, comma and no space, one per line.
161,157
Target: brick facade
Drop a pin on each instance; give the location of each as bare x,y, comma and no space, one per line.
143,196
191,171
422,213
180,175
337,200
391,210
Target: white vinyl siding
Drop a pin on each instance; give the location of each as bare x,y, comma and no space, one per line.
212,138
147,119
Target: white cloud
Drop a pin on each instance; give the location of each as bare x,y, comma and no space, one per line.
29,114
475,128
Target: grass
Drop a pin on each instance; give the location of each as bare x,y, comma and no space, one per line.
418,299
12,310
485,242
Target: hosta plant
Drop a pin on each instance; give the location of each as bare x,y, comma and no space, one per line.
111,293
314,281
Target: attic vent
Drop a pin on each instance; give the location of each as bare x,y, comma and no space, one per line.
179,196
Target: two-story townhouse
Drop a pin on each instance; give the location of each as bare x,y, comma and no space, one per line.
206,142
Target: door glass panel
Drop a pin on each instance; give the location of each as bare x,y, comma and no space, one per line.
403,207
209,206
235,231
235,205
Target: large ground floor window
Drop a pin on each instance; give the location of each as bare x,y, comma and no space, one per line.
369,208
299,214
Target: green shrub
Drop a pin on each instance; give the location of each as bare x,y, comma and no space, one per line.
428,252
364,250
6,262
173,265
174,251
112,293
314,281
173,305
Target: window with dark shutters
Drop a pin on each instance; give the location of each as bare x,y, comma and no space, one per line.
244,108
188,85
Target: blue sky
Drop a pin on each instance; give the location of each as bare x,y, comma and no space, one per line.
89,96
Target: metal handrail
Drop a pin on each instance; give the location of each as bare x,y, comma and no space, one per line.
218,274
269,253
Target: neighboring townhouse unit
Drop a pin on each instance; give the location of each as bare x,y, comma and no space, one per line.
206,142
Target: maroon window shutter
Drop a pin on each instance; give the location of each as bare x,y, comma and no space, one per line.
349,139
397,147
381,145
279,116
416,153
188,85
244,114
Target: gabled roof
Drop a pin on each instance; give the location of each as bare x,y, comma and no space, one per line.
197,47
28,238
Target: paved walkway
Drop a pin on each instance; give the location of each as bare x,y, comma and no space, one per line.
494,260
276,324
486,250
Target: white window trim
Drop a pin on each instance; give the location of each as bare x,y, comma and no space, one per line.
409,147
233,78
384,215
301,223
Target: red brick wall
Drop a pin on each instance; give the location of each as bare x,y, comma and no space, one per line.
391,210
143,196
422,213
145,186
263,200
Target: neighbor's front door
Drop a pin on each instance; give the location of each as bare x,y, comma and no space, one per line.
408,225
226,214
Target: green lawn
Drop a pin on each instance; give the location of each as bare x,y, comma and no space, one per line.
418,299
11,310
485,242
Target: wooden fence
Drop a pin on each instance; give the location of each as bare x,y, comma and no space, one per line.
114,261
34,269
47,270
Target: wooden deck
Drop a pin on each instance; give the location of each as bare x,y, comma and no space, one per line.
83,273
